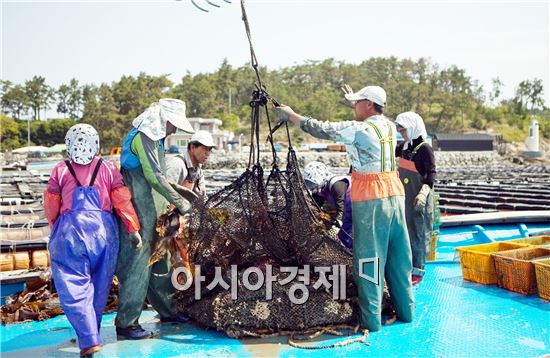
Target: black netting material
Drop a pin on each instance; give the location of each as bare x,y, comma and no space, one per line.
259,220
252,314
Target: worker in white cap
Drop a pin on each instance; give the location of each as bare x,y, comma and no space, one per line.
381,247
186,169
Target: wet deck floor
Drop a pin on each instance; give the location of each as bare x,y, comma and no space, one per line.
453,318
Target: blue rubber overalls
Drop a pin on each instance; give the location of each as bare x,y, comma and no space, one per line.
83,248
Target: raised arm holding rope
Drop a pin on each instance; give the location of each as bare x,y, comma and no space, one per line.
377,195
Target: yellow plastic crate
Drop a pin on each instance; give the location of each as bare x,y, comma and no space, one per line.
515,269
542,272
477,263
534,241
433,247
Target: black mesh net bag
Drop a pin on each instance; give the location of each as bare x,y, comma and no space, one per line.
299,221
230,226
253,314
226,229
263,224
257,222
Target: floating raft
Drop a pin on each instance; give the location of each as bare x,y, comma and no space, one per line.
470,190
24,230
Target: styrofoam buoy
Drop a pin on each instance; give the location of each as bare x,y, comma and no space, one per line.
6,262
40,258
22,260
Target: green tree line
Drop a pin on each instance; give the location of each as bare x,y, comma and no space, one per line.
446,97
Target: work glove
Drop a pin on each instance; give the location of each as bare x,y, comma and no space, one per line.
135,238
421,197
284,112
187,194
334,230
186,200
333,225
347,90
184,207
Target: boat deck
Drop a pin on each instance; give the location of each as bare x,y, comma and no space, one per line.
453,318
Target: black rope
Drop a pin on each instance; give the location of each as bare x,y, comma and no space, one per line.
253,60
262,96
250,159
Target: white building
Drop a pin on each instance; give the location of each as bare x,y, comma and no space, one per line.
180,139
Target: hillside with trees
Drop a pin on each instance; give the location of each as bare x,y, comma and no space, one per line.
447,98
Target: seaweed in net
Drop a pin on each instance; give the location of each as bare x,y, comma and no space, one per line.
254,222
251,223
252,314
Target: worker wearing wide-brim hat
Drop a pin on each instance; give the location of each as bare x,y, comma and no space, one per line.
144,171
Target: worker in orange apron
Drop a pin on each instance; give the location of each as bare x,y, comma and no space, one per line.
381,247
417,172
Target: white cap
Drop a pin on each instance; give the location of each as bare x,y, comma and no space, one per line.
372,93
173,111
204,138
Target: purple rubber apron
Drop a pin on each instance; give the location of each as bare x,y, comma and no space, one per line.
83,248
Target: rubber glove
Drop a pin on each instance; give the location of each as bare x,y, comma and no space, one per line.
334,230
421,197
187,194
135,238
284,112
184,206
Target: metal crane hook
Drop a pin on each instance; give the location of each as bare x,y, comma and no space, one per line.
209,2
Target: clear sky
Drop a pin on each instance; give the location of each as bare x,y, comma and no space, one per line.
99,41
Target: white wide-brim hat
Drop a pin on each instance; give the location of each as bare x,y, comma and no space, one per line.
173,110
